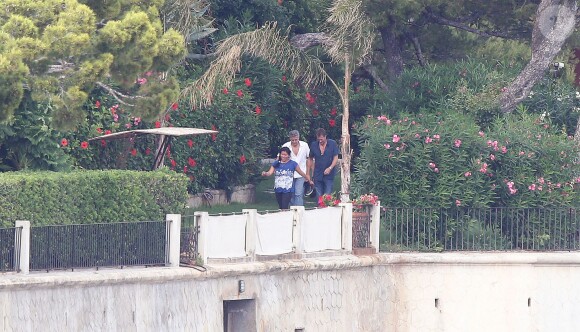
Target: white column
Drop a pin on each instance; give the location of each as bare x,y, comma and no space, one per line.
375,226
202,220
346,226
174,223
297,229
251,232
24,257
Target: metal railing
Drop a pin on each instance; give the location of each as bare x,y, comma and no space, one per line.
438,229
98,245
189,251
10,248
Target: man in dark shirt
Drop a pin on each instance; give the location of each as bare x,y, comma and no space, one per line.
323,158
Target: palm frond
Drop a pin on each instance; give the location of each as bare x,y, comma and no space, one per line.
350,30
267,43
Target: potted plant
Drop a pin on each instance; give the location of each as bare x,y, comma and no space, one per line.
328,200
361,220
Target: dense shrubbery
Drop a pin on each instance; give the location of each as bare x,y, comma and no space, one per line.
49,198
444,161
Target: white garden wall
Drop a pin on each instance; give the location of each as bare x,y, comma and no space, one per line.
383,292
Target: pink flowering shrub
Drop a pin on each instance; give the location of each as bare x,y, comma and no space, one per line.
447,161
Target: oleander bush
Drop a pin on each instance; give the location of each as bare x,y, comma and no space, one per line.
446,161
82,197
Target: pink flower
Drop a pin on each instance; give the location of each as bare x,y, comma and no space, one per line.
190,143
483,168
128,125
387,146
97,104
532,187
457,143
432,165
467,174
503,149
136,121
492,156
333,111
396,138
225,91
521,153
141,81
541,180
436,170
436,136
428,140
481,134
240,93
248,82
258,110
242,159
417,135
457,202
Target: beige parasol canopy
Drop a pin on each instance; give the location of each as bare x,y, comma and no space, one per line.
167,133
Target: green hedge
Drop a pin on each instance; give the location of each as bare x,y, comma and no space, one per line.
82,197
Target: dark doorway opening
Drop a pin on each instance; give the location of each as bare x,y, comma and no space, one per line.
240,316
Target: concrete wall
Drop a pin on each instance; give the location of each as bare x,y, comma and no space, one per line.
383,292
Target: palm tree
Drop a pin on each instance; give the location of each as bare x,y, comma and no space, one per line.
347,40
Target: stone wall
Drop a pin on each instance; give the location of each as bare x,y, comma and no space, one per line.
240,194
383,292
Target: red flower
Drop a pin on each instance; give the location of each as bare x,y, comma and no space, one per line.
174,106
240,93
332,122
333,111
190,143
173,163
84,145
191,162
63,142
168,152
103,143
100,130
258,110
225,91
97,104
184,169
133,152
148,151
283,78
248,82
310,98
157,124
167,117
242,159
315,112
107,132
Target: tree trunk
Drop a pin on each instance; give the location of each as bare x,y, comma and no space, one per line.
392,52
345,138
555,21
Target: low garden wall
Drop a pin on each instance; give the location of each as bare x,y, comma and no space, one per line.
240,194
382,292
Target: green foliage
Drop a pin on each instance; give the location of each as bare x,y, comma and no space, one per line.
61,49
229,158
82,197
30,143
445,161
